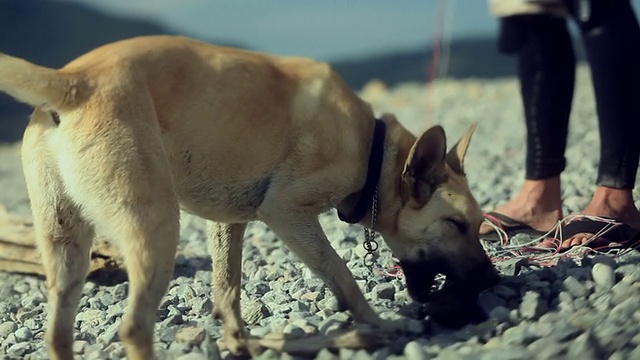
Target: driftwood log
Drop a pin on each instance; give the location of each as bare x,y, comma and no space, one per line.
18,252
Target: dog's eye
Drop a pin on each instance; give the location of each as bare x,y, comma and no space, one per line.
460,225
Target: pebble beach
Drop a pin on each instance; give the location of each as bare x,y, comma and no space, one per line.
580,307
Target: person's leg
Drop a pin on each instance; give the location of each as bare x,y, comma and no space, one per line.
612,42
546,70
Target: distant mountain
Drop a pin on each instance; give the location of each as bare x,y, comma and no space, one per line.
51,33
477,58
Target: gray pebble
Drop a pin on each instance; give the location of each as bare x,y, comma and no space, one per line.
604,276
110,334
513,267
193,356
185,292
7,328
635,353
293,331
253,311
506,353
345,254
546,348
500,313
19,349
268,354
519,335
334,321
277,325
80,346
120,291
22,288
626,269
383,291
618,355
191,335
542,328
361,355
413,351
298,285
532,306
275,297
584,347
10,340
330,303
604,260
566,332
23,334
204,275
168,334
625,309
621,292
325,354
578,273
33,300
115,350
575,287
201,306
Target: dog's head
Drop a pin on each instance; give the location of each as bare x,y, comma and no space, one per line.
436,230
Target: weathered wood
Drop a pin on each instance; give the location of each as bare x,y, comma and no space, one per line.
19,254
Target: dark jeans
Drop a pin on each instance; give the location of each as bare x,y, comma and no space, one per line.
546,69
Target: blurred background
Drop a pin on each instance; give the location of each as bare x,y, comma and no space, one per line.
363,39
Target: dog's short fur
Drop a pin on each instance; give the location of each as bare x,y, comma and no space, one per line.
124,136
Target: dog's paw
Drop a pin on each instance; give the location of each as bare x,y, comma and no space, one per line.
244,347
403,326
359,337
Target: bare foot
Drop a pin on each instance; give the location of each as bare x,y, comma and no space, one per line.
538,204
607,202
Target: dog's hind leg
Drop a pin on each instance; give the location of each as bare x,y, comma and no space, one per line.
125,186
149,246
64,240
226,252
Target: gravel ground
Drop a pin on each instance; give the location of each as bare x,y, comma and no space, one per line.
587,309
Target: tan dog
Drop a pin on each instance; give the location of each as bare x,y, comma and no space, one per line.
125,135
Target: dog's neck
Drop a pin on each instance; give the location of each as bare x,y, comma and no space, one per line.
397,145
365,200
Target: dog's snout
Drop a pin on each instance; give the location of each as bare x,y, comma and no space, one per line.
419,277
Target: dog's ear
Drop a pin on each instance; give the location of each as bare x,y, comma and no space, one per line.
455,156
424,168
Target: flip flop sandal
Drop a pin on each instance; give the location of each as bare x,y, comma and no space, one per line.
510,226
611,229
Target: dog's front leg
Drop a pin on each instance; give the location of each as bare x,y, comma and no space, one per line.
226,252
303,234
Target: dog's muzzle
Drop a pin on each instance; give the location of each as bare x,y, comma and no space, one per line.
420,278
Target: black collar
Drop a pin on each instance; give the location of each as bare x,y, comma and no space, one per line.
373,176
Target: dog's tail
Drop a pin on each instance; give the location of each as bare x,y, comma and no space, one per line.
37,85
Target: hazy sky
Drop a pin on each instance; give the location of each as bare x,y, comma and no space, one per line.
325,29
